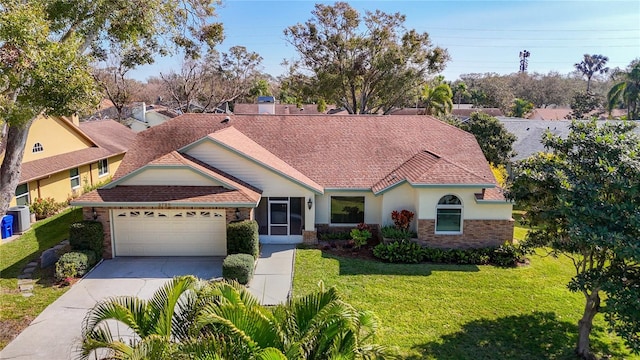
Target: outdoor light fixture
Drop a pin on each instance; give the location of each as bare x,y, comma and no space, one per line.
94,213
237,214
309,204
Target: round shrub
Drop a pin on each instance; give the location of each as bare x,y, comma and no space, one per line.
242,238
238,267
75,264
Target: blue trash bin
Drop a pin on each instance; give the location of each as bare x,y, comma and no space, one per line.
6,226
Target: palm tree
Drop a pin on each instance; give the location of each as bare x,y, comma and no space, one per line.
316,326
521,107
437,99
590,65
188,319
155,327
461,90
628,91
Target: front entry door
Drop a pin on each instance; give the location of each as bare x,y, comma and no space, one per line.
278,217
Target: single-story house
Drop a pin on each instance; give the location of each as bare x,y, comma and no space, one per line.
296,175
63,155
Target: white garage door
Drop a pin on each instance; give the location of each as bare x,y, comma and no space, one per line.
153,232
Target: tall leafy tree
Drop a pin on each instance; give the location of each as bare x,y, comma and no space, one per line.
582,201
46,47
365,64
584,103
436,99
494,139
627,91
213,79
591,65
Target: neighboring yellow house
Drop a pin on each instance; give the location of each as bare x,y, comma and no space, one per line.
62,156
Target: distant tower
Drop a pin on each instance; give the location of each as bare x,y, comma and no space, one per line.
523,60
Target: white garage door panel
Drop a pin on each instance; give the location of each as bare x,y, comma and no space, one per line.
169,232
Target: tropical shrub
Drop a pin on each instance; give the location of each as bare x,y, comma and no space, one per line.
43,208
74,264
242,238
360,237
399,252
402,219
394,233
238,267
508,255
87,235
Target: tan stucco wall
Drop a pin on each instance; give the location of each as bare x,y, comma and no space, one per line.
169,176
58,185
57,137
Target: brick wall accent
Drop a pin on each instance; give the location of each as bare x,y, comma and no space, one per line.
245,214
103,217
475,234
310,237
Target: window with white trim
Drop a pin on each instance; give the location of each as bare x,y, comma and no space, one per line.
347,209
449,215
103,167
37,147
74,177
22,194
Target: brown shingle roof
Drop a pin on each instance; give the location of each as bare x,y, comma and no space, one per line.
428,169
352,151
153,195
109,134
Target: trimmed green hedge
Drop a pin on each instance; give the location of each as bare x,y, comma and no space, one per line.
75,264
238,267
87,235
409,252
242,238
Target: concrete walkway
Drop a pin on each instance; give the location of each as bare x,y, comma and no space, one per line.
273,275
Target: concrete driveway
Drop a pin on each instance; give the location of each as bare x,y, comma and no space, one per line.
55,333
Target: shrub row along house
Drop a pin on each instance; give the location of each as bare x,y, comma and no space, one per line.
182,181
63,156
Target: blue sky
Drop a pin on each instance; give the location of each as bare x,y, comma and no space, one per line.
481,36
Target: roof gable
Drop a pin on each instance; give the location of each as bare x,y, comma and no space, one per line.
426,168
234,140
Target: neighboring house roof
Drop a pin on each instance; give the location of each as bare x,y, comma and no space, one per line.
529,134
344,152
110,138
109,134
549,114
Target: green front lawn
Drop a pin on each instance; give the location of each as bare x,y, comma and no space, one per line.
462,312
17,311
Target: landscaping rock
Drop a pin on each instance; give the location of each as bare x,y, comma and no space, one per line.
32,264
26,288
24,276
48,257
29,270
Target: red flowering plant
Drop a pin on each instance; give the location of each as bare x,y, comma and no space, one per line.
402,219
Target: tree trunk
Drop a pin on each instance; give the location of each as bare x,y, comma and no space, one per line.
585,324
12,163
